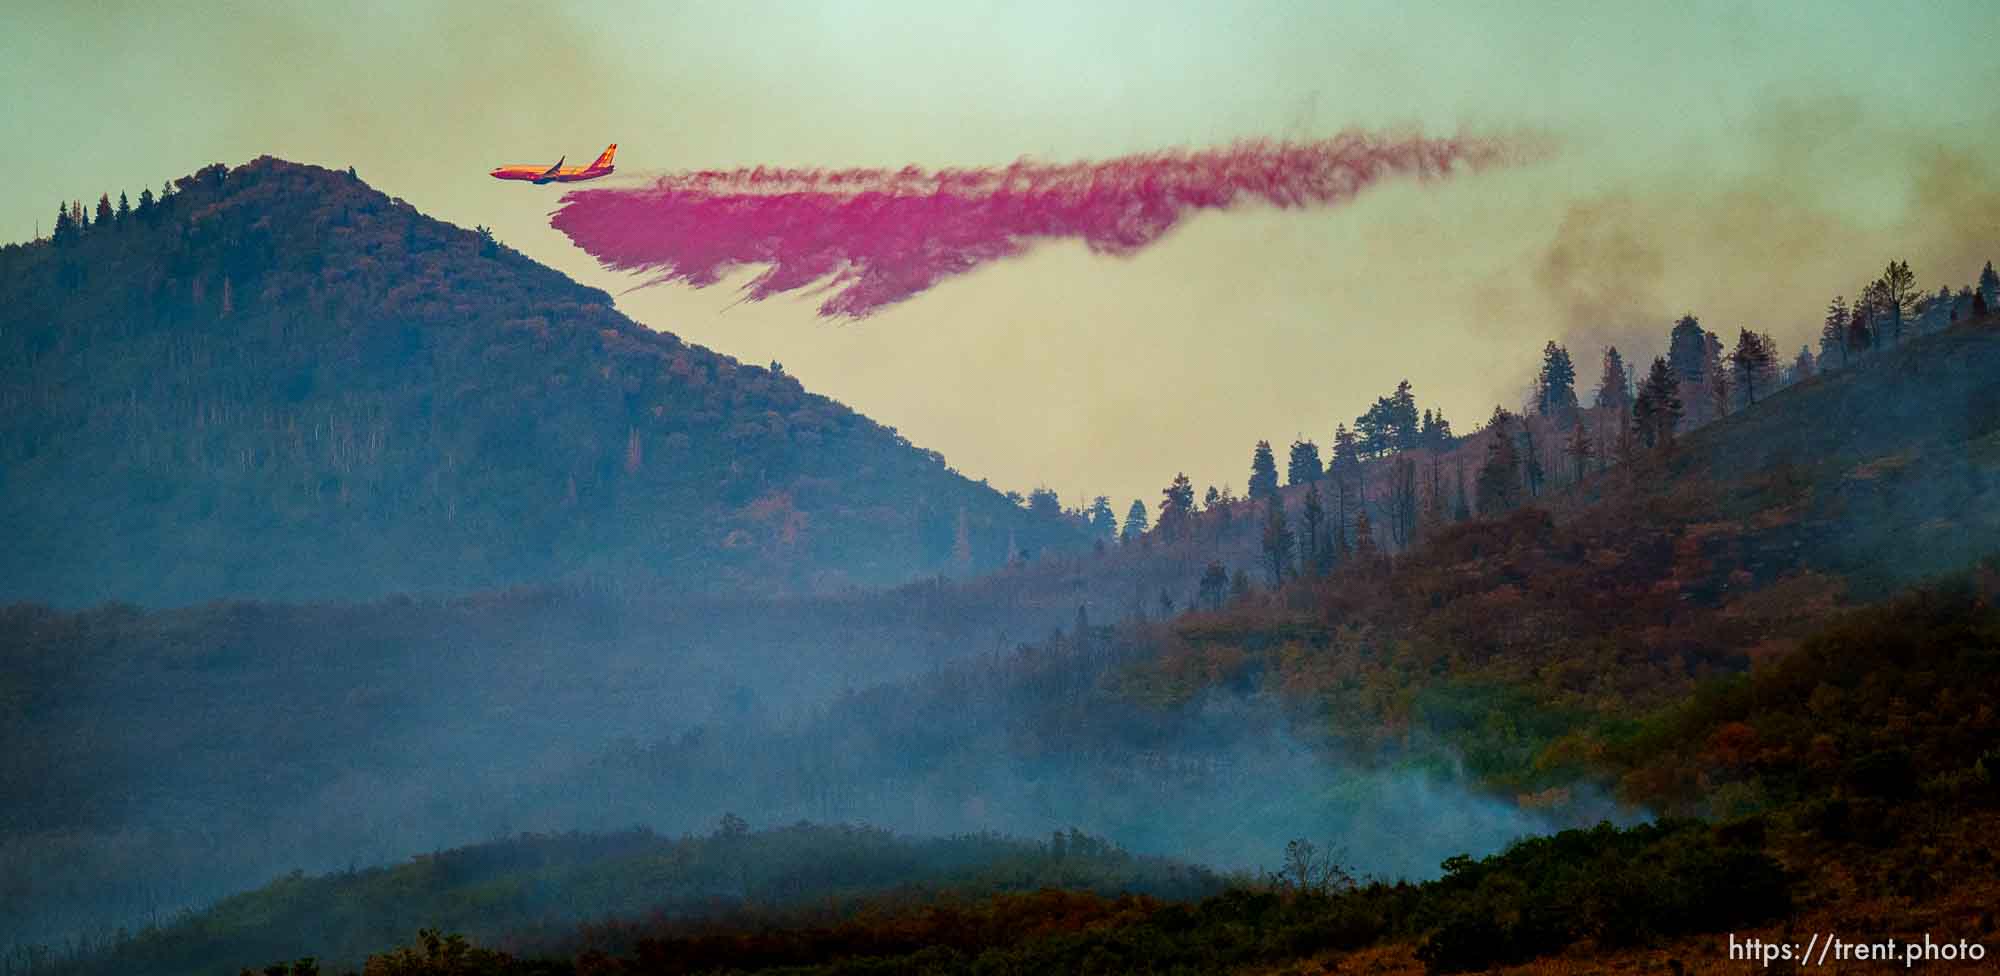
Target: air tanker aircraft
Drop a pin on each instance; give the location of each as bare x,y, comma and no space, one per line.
557,174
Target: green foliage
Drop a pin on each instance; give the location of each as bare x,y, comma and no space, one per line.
538,889
1617,887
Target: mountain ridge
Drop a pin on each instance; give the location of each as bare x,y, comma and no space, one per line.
279,383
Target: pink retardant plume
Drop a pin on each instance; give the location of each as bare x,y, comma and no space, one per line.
877,237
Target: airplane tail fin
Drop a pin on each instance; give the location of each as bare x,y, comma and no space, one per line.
605,160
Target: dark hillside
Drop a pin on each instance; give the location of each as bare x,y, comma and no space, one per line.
1521,643
280,383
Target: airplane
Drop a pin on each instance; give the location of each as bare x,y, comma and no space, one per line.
557,174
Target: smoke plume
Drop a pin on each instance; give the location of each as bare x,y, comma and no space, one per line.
876,237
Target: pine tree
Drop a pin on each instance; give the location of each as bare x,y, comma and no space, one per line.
105,215
1176,508
1375,430
1656,411
1614,390
1803,366
1874,311
1312,553
1044,502
1717,379
1499,487
1556,386
1989,285
1135,521
1403,421
145,210
1755,364
1102,520
1277,541
65,229
1860,338
1263,473
1435,431
1304,467
1899,296
1833,334
124,209
1687,352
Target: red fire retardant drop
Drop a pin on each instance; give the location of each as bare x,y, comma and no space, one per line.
878,236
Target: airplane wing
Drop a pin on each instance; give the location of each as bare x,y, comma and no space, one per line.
551,171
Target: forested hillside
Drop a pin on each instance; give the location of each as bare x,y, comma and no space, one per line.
276,382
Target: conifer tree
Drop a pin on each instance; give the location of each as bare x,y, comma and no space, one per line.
1989,285
1657,409
1804,367
1614,390
1556,385
1755,364
1860,336
1176,508
1403,421
1303,467
1135,521
1435,431
105,214
1312,552
1898,293
1263,473
124,209
65,229
1833,334
1687,352
1499,487
1102,520
1277,540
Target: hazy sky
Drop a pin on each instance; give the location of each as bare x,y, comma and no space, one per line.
1741,161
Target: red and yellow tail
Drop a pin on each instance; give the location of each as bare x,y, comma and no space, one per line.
605,160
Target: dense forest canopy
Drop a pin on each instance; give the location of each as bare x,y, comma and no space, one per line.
275,381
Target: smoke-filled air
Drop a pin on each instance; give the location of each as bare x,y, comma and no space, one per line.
875,237
1372,487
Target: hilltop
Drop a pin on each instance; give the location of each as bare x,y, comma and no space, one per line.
277,382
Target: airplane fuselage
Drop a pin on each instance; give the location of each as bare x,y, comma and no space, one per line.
539,175
559,173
